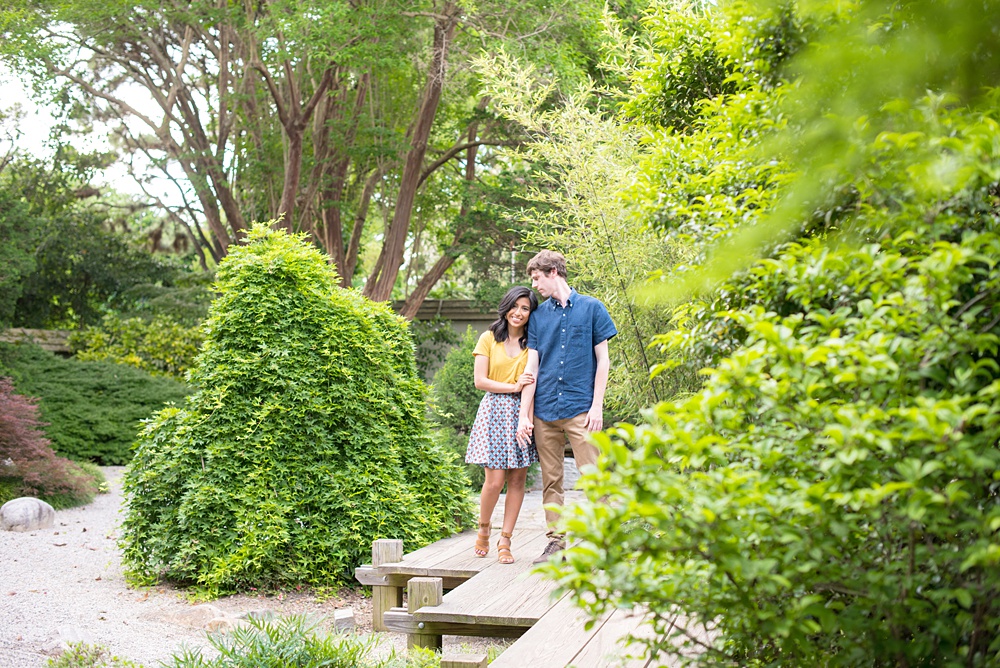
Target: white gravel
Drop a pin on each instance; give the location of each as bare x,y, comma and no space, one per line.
66,583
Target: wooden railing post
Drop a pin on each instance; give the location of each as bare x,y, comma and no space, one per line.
420,593
385,551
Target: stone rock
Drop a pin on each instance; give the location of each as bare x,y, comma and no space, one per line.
343,619
220,625
26,514
197,616
263,615
60,639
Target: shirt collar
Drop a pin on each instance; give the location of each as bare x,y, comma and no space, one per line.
569,300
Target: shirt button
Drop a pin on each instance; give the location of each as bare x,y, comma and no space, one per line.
560,377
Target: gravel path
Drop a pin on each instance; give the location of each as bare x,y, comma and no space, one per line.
66,584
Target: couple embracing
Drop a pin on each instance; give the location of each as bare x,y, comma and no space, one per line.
544,369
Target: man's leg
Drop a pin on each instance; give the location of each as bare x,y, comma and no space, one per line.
584,452
551,444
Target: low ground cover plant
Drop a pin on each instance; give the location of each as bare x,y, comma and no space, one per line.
305,439
92,409
158,345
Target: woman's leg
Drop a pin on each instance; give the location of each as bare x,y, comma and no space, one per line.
492,486
516,479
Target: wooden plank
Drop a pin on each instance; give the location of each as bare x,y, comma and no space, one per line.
367,575
552,642
400,621
504,595
560,640
464,660
453,557
607,644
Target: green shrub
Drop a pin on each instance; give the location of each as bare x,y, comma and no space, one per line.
160,345
17,232
289,641
185,300
82,655
29,467
305,441
93,409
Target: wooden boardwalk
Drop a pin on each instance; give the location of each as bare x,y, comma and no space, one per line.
490,599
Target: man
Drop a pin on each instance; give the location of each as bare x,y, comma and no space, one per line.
568,355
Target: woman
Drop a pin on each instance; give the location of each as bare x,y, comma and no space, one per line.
501,355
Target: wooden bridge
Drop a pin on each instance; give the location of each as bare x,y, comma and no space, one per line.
488,599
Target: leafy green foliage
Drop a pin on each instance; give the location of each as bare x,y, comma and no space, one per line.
82,655
28,466
587,156
93,409
289,641
829,497
160,346
305,440
185,299
433,340
16,244
80,267
679,71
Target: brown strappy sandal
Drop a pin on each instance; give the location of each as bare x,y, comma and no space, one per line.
482,544
504,555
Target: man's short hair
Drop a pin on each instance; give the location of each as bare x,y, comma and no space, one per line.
546,261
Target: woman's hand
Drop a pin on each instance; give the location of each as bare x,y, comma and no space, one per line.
525,379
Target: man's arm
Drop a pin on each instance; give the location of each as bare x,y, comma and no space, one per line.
525,424
595,416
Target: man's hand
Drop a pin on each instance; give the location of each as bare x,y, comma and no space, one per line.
595,419
524,429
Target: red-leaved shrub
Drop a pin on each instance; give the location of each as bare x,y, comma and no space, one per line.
28,466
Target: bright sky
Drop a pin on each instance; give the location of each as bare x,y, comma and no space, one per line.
34,131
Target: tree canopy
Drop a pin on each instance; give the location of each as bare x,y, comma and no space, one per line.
358,123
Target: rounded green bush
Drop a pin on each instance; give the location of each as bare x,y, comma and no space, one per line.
92,410
305,440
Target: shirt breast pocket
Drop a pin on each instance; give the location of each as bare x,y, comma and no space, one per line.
579,337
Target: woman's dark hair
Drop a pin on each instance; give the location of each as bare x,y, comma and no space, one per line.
499,326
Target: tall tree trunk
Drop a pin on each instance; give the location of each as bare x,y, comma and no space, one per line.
332,204
360,216
379,284
430,279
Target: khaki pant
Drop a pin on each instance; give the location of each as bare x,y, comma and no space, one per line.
550,439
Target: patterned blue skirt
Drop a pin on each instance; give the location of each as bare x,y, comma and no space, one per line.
492,441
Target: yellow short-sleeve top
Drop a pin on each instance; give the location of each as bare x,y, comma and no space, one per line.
503,368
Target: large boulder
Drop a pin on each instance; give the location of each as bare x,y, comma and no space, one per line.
26,514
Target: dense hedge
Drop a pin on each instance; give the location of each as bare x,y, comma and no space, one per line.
306,440
93,409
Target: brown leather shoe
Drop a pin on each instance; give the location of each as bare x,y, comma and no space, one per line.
555,546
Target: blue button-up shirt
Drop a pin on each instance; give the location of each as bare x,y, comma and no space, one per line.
565,337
